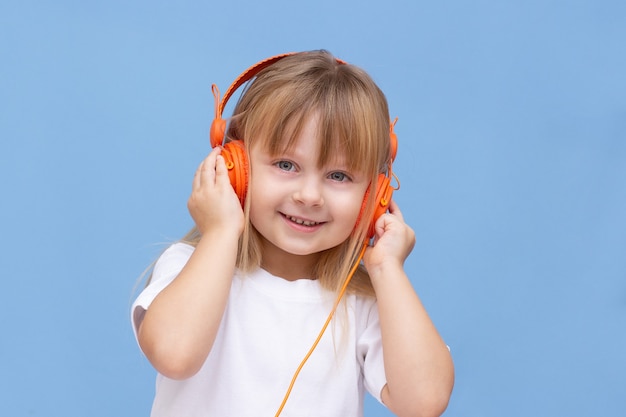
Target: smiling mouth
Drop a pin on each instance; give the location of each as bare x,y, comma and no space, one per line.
302,222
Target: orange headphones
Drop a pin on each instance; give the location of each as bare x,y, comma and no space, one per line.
237,162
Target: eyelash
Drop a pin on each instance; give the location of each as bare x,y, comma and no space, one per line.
344,176
290,166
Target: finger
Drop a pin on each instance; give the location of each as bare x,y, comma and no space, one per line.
221,172
395,210
208,167
196,176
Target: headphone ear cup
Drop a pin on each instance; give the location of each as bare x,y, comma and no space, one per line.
234,154
383,192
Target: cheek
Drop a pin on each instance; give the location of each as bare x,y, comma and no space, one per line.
256,190
351,205
258,201
263,197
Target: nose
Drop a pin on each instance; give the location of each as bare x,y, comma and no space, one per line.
309,192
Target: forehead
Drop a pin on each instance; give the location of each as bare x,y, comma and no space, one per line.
308,136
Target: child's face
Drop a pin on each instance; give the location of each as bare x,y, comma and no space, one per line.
298,207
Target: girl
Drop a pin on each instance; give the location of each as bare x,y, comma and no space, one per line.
231,311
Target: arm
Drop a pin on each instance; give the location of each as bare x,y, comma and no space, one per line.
179,327
418,365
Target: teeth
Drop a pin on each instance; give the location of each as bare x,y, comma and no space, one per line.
302,222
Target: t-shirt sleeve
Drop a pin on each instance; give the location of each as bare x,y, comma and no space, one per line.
166,268
370,349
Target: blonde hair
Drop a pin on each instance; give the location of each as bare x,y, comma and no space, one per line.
353,120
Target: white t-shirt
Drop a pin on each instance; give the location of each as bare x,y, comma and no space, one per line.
268,326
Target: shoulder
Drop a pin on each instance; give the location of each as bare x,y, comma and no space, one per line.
172,260
165,269
364,312
176,250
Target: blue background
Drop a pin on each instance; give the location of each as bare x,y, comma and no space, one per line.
512,160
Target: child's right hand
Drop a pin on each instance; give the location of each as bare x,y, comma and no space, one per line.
213,203
180,326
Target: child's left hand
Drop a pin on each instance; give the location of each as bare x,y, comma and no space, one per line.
418,366
393,241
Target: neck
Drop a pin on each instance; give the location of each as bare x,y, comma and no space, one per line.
288,266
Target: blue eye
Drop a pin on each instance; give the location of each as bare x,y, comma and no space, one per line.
339,176
285,165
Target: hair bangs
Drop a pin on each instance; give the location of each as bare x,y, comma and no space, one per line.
345,137
275,122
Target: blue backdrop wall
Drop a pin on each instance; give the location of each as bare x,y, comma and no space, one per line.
512,159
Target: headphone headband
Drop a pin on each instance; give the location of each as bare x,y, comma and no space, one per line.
218,127
245,76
